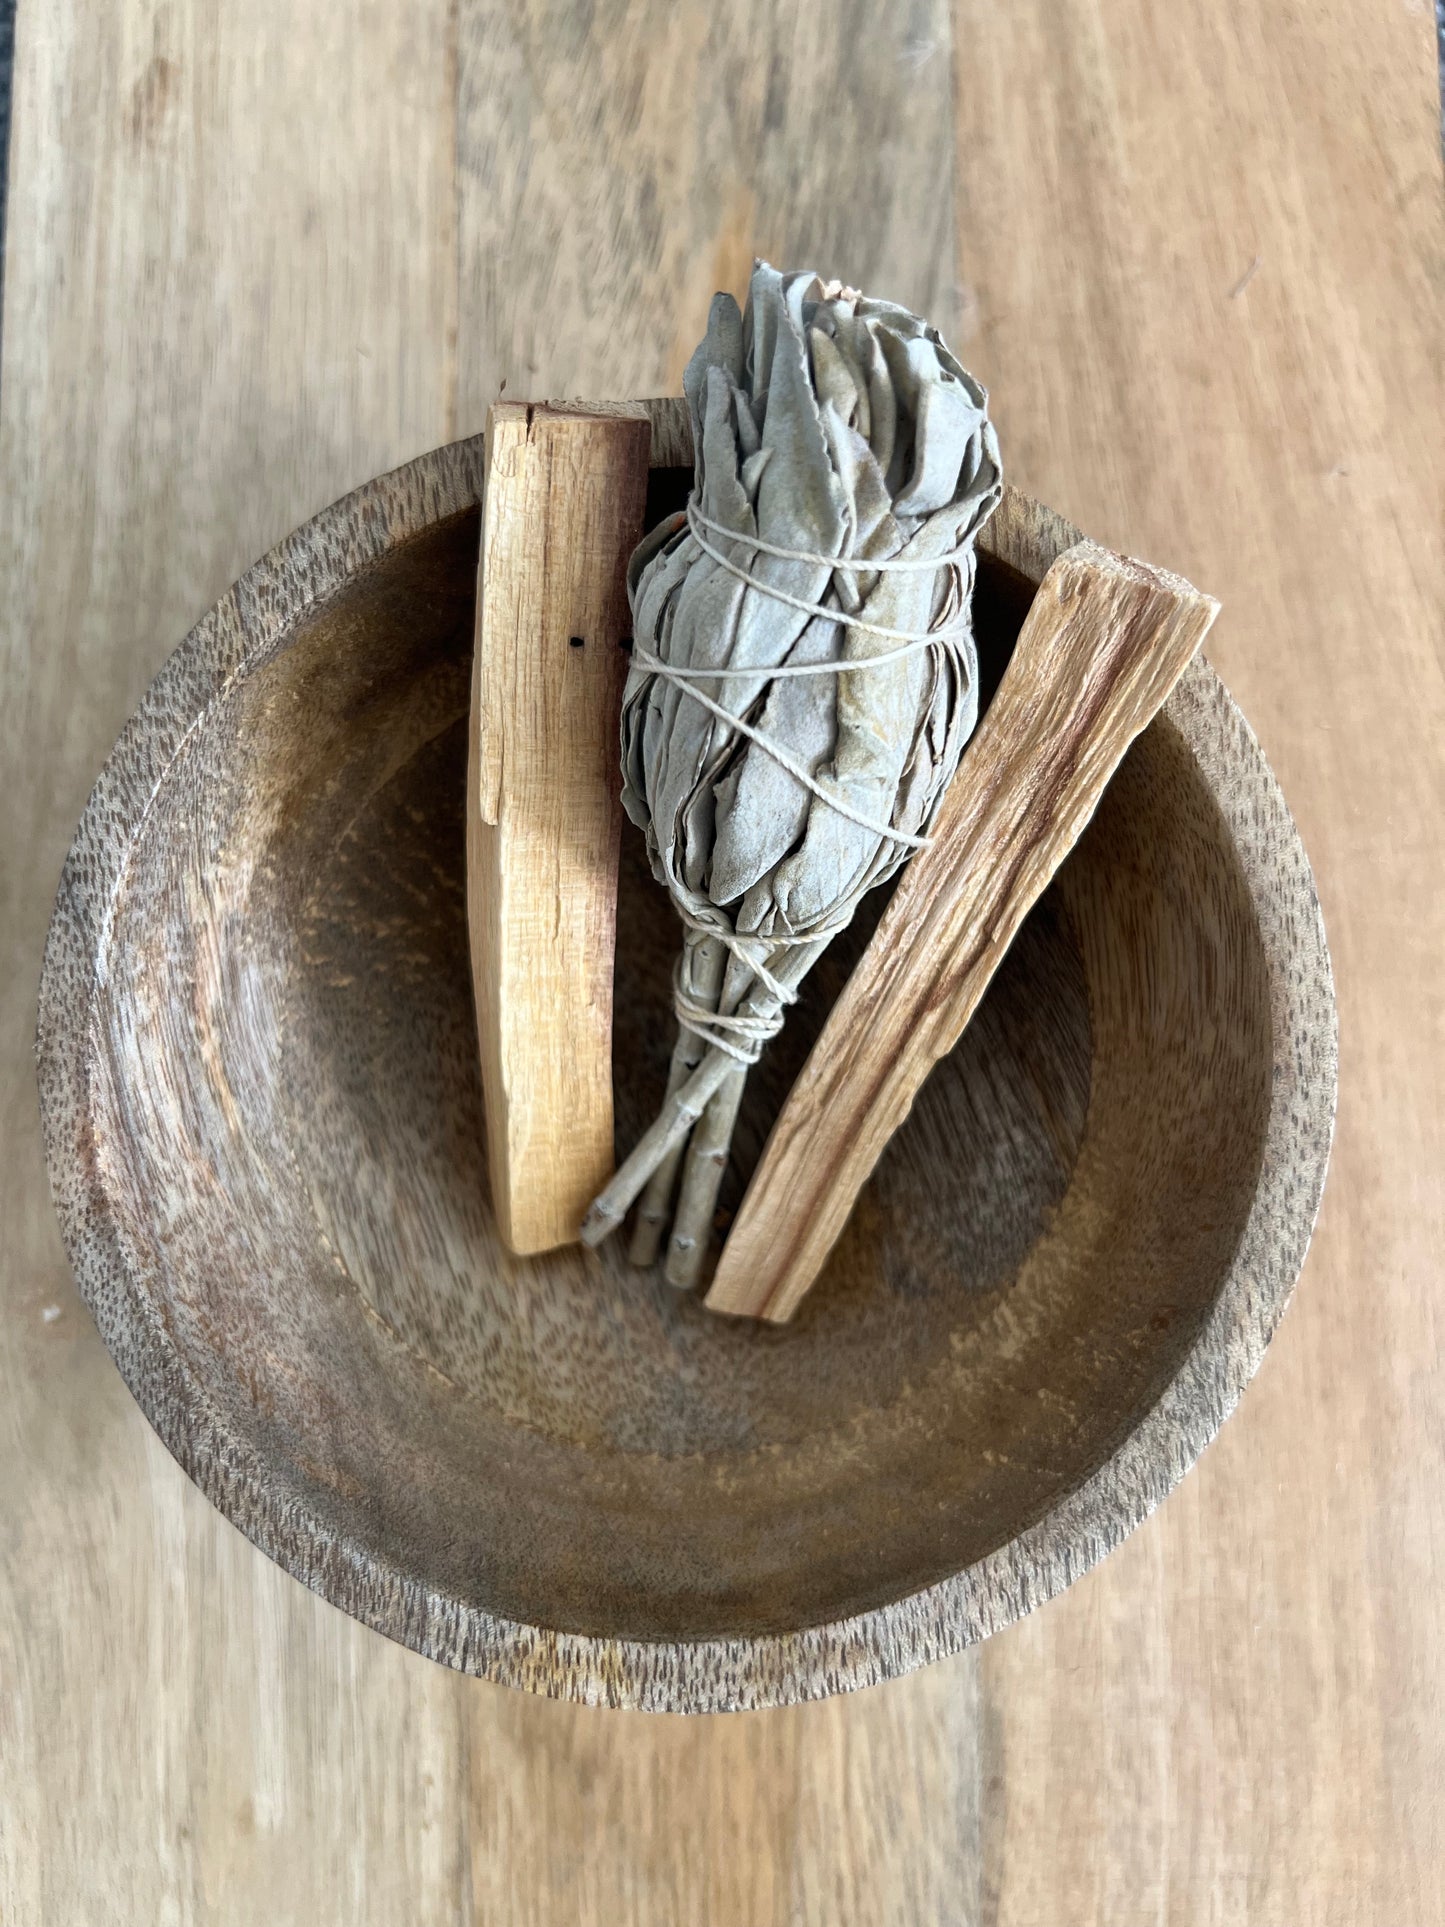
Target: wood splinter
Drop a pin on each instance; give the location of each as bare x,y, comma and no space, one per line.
1105,640
564,500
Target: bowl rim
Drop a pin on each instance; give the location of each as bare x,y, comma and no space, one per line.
239,635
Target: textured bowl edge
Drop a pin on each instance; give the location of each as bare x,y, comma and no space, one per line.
712,1675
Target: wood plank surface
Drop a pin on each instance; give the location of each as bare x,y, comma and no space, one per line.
257,254
1207,262
223,305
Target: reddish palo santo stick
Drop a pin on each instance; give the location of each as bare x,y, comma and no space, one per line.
1104,642
565,490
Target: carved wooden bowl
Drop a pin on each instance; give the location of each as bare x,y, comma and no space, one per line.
262,1105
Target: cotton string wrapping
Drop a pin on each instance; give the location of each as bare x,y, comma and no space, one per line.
743,1038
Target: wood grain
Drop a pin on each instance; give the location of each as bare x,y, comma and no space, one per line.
212,326
617,164
258,1075
1104,642
563,510
231,293
1255,1685
193,360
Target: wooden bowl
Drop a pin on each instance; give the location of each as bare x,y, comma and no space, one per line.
263,1119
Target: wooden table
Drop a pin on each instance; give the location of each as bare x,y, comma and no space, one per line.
259,253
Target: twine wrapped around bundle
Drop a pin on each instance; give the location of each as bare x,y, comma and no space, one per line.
803,680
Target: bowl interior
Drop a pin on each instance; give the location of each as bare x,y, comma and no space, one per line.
289,1128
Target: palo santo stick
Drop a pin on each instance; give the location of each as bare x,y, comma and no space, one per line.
1104,642
565,491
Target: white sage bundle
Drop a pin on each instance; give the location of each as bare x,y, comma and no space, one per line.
803,680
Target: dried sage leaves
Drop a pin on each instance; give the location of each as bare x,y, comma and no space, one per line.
803,681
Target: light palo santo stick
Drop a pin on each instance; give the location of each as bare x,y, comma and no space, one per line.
565,493
1104,642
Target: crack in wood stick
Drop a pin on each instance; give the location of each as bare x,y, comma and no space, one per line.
1105,640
